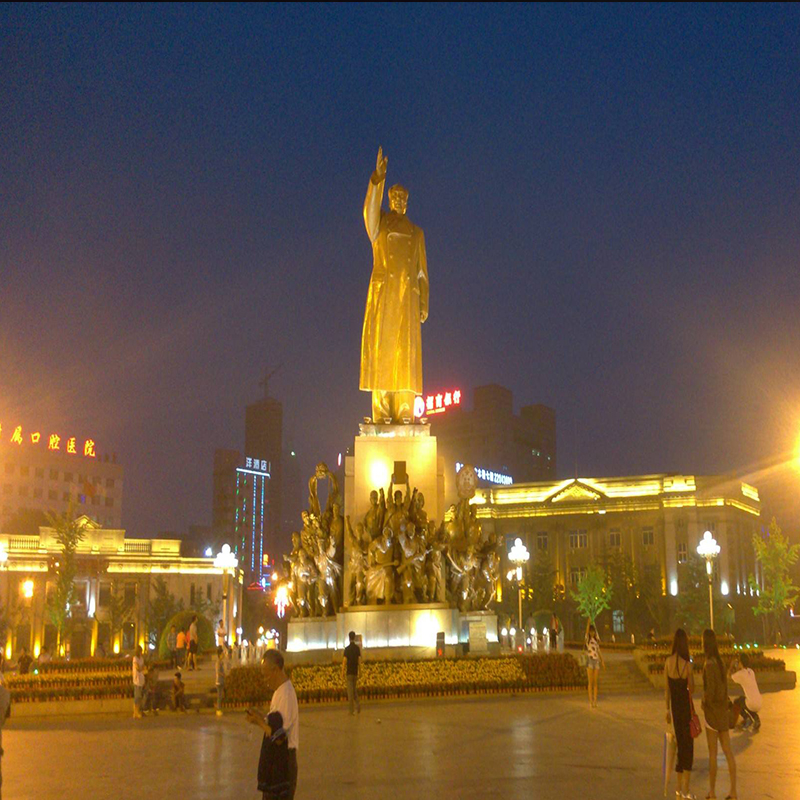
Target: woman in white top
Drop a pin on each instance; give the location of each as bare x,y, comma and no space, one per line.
594,660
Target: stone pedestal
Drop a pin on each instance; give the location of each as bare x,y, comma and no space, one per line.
487,618
312,633
376,449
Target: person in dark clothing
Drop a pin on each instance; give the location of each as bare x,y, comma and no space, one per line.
274,780
678,689
350,665
24,662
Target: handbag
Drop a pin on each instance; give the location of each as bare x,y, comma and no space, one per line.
695,727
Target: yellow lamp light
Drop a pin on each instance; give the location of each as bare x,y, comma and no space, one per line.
116,647
379,473
27,589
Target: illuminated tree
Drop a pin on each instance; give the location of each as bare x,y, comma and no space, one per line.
69,533
593,595
160,610
778,593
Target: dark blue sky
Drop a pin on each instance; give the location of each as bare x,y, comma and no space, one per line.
609,196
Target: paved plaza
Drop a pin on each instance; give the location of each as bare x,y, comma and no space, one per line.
534,746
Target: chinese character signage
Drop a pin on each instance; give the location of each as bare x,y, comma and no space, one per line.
489,475
256,464
437,403
52,441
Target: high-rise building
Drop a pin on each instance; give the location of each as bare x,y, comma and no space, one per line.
252,518
263,441
503,447
224,500
42,471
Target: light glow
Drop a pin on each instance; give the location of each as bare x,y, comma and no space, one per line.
27,589
379,473
281,601
673,587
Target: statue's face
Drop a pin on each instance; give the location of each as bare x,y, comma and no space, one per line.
373,498
336,509
398,498
420,500
398,199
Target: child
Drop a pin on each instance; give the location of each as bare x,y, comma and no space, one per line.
151,692
273,764
178,693
749,705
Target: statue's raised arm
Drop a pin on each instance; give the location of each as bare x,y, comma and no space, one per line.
372,203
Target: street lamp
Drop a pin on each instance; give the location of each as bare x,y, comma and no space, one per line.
226,561
709,550
519,556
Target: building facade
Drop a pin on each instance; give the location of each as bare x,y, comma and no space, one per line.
113,571
504,447
655,520
46,472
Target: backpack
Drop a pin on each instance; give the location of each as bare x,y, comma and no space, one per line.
273,763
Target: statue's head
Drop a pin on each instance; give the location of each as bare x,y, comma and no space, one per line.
337,509
373,498
321,470
420,500
398,199
398,498
304,517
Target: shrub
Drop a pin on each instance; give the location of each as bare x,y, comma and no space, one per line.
181,621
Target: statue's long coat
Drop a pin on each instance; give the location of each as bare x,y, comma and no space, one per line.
391,341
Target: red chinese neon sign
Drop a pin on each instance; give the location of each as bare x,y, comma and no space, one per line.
51,441
437,403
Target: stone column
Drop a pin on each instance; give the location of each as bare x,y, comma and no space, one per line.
670,554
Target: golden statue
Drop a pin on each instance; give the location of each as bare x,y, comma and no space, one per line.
397,303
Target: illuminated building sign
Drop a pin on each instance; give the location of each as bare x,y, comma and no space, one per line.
489,476
437,403
257,465
50,441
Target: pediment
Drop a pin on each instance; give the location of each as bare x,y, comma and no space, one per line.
576,492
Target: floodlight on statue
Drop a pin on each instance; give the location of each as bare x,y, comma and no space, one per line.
281,601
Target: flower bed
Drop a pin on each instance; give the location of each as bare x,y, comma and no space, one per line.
71,686
654,660
93,665
425,678
616,646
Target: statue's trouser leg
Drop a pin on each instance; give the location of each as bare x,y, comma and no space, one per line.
402,406
381,406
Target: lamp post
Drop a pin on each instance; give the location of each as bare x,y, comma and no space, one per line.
226,560
709,550
519,556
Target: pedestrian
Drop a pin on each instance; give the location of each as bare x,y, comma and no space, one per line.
273,763
44,656
150,702
594,660
678,690
172,646
284,700
178,693
137,665
553,633
193,642
24,662
222,635
2,661
180,646
5,713
350,669
715,708
749,705
220,678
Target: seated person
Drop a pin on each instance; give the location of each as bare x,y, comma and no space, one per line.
178,693
749,705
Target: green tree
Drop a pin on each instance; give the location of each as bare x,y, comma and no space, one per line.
776,557
541,582
161,608
118,613
691,612
69,533
593,595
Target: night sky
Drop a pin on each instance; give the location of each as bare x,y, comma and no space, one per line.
610,199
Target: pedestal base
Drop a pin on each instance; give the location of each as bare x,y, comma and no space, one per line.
391,626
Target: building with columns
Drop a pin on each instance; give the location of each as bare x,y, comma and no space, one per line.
657,520
112,570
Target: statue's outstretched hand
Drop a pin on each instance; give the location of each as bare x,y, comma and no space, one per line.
381,164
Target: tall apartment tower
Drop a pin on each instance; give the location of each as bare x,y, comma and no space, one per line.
224,503
263,441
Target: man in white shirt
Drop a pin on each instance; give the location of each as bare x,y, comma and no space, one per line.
137,664
283,700
749,705
221,635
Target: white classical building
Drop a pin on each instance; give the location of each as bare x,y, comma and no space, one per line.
109,566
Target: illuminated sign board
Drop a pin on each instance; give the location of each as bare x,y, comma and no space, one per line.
51,441
256,465
489,476
436,403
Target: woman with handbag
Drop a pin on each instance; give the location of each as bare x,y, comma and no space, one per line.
715,708
678,689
